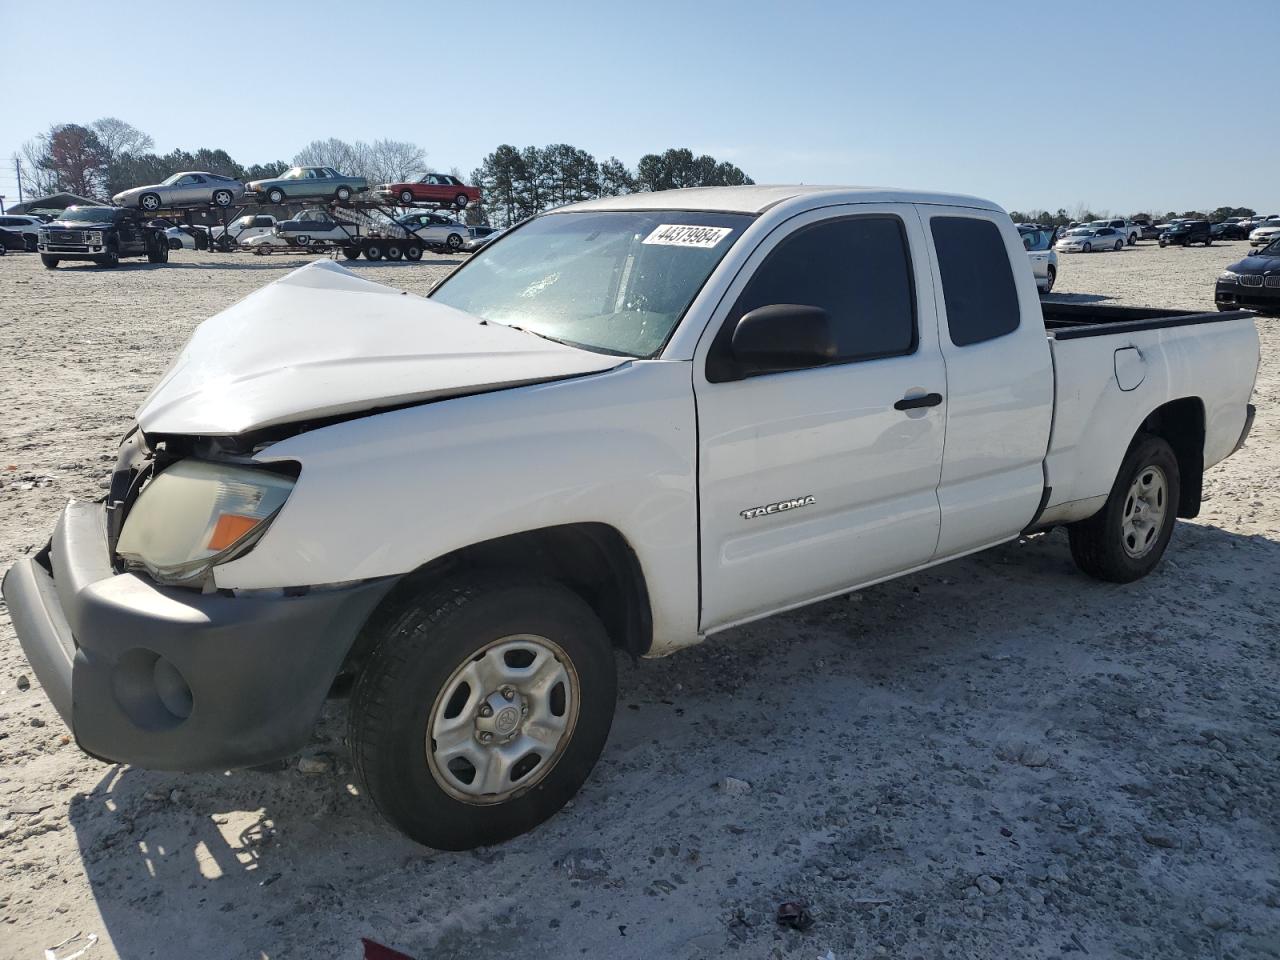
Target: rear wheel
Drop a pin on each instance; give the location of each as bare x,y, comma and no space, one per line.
175,243
373,251
460,201
412,252
1119,245
482,708
1208,241
344,193
50,263
351,253
454,242
159,251
302,239
406,196
1050,276
275,196
222,198
1125,540
393,251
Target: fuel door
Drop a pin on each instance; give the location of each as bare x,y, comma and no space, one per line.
1131,368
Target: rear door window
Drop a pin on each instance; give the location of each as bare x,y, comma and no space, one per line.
977,279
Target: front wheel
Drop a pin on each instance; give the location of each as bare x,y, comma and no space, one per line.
50,263
393,251
406,196
222,198
1086,248
1050,276
455,242
461,201
482,708
158,251
343,194
1125,540
412,252
112,257
275,196
373,251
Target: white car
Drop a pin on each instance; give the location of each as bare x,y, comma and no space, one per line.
1089,239
27,227
266,243
1264,233
243,229
1038,242
631,424
1129,229
435,230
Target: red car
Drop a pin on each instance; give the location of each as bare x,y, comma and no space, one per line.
435,188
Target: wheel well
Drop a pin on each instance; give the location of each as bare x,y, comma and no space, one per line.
1181,424
592,559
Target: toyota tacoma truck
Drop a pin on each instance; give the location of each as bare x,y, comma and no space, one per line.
625,425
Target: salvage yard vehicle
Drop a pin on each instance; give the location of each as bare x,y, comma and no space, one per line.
307,183
1038,242
627,424
1253,283
100,234
1131,230
1183,233
243,229
1264,233
1088,239
442,188
436,230
27,229
189,188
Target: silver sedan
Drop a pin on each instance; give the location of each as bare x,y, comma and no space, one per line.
186,189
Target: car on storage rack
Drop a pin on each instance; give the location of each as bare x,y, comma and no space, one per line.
27,229
630,424
436,230
242,229
1089,239
1183,233
315,225
187,189
307,183
1252,283
101,234
442,188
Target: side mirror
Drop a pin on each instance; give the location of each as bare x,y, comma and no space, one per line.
783,336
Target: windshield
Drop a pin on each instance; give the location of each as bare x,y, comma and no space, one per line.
1272,249
293,173
614,282
1080,232
88,214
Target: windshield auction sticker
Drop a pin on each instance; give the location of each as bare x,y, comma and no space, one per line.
687,235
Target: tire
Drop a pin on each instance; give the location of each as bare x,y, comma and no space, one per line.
29,243
1051,276
343,194
275,196
351,253
393,251
1163,244
112,257
406,196
461,201
1208,241
373,251
1087,248
413,252
431,645
1110,545
175,243
149,202
1133,239
302,239
50,263
454,242
223,243
159,252
222,198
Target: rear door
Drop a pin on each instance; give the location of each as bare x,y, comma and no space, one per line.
999,377
812,481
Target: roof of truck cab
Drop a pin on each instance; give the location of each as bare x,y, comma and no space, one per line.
760,197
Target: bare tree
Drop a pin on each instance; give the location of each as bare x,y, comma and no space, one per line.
392,161
119,137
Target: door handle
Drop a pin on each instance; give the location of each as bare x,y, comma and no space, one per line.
914,403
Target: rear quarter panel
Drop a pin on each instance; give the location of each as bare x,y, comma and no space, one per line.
1095,420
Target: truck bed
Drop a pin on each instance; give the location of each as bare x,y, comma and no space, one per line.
1071,321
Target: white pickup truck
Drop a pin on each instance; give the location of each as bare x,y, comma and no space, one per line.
625,425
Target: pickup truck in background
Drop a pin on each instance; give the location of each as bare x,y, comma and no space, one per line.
625,425
103,235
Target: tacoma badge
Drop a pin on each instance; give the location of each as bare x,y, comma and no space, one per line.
778,507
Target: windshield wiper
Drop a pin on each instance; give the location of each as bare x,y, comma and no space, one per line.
570,343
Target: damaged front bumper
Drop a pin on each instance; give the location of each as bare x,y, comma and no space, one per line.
169,678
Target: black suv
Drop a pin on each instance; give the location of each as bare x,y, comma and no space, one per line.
100,234
1183,233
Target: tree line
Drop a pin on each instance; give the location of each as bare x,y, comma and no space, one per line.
100,159
1082,214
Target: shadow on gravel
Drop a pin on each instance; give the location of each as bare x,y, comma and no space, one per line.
1000,717
1075,297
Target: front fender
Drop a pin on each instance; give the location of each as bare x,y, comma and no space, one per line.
385,494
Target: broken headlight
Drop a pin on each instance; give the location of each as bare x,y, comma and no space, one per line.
196,515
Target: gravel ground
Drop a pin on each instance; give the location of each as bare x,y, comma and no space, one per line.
995,758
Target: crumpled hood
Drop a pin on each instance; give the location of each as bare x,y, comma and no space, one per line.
321,342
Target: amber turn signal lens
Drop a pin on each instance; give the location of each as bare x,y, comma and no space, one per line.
230,528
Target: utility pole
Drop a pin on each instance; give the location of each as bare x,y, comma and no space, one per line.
1,204
17,169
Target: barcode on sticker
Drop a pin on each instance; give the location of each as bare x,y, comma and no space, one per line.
687,235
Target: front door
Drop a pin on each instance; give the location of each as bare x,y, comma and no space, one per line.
814,481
